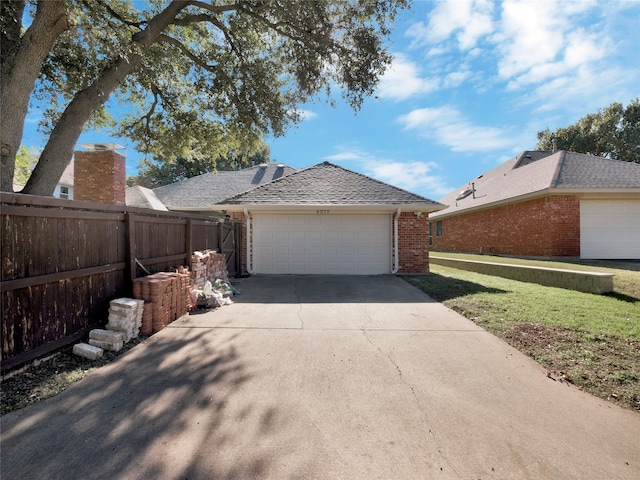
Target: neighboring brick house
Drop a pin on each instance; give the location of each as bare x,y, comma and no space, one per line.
545,204
321,220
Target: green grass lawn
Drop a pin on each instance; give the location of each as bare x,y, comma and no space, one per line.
592,341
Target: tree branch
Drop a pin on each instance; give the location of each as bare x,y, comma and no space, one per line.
117,16
214,8
147,117
197,60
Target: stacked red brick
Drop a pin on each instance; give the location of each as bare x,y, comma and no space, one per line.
208,265
166,296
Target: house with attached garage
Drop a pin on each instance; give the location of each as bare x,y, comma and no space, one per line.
324,219
547,204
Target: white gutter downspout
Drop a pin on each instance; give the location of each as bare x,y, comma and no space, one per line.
249,259
396,267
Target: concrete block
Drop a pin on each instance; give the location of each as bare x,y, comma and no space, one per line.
124,303
106,345
87,351
105,335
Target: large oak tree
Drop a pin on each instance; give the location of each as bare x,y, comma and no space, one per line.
612,132
198,77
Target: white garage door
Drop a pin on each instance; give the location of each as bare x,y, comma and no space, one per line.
322,244
610,229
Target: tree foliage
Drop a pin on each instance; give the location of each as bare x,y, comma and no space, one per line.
199,77
25,160
156,172
613,132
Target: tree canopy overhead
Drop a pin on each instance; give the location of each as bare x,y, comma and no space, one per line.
613,132
199,77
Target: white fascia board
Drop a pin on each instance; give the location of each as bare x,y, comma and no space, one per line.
332,208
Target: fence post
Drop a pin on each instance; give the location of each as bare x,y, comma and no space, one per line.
129,235
189,243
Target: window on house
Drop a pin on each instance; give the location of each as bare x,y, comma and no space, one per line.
64,192
439,228
431,234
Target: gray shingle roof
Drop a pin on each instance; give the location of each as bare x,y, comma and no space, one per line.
576,171
211,188
538,171
143,198
328,184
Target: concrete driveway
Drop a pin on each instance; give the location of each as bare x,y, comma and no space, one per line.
322,377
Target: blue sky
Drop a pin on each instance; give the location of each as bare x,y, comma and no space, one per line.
472,83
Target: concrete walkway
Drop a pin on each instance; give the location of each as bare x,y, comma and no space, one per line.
328,378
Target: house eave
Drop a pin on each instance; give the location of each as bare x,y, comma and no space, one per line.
331,208
630,192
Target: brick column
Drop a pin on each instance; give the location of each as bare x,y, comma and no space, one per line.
413,243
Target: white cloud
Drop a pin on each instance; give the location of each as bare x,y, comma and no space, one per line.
415,176
585,89
455,79
539,41
346,155
466,20
447,126
402,80
307,115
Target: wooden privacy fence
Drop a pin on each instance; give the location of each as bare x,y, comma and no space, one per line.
63,261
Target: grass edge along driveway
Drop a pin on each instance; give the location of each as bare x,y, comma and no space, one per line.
591,341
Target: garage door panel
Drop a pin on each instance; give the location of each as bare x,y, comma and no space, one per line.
610,229
298,250
324,244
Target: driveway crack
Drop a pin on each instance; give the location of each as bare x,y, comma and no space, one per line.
413,393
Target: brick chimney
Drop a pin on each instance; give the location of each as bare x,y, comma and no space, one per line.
100,174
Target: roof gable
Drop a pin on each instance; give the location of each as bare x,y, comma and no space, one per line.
210,188
328,184
539,171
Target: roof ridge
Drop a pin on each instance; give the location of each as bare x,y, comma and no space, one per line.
375,180
267,183
559,166
349,181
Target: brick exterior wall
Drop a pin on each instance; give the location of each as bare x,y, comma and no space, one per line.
100,176
413,243
545,227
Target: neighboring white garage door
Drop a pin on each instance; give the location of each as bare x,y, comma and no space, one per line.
610,229
322,244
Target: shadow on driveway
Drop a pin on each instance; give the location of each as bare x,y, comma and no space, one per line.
157,412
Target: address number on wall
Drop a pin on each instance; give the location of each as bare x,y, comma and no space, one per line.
322,212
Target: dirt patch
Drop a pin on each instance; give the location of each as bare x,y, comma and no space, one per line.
605,366
47,378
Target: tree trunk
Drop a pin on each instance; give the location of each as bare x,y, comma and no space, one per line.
58,151
22,60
